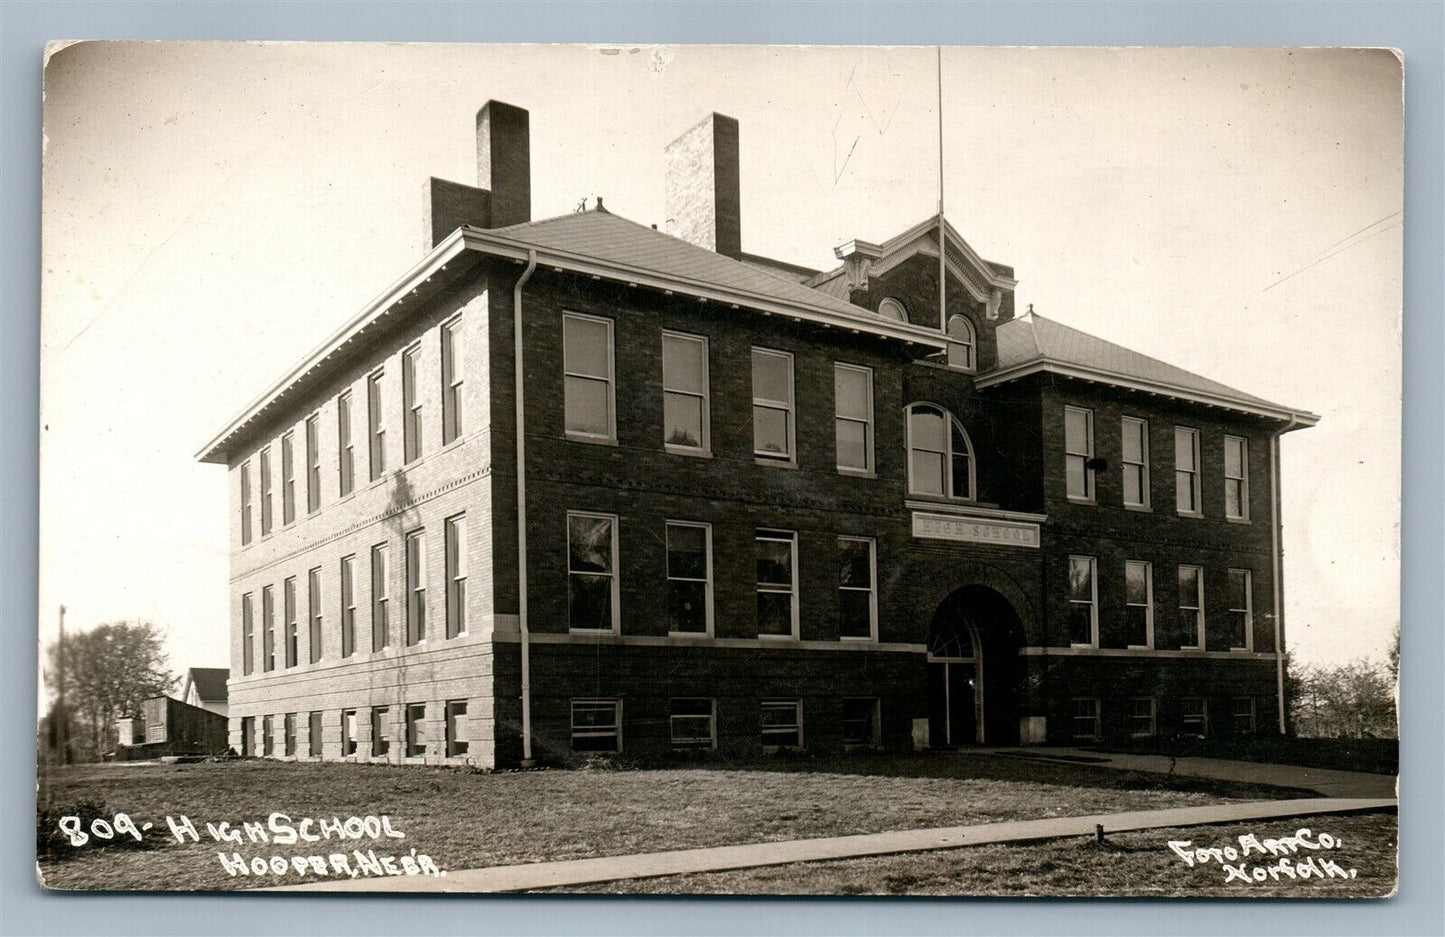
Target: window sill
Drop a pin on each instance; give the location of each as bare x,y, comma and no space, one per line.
778,637
592,440
1141,508
1139,647
1241,650
1239,520
691,635
775,463
1093,647
597,631
1190,647
857,473
1073,499
872,639
1197,514
688,451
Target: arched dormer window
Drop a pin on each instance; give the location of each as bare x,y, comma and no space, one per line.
940,456
961,344
892,309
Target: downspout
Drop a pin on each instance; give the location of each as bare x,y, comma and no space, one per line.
1277,557
521,449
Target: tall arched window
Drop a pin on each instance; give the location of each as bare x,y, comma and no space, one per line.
892,309
940,456
960,343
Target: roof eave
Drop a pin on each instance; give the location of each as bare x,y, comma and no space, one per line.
1296,419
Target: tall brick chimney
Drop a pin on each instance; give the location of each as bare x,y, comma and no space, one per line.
702,192
504,162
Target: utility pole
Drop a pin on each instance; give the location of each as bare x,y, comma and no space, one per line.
62,727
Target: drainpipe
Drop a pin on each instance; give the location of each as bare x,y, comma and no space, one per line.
1277,556
521,448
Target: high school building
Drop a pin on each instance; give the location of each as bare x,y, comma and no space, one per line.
579,485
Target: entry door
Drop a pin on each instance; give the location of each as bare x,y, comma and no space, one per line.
952,716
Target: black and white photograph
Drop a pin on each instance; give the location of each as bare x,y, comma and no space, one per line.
744,470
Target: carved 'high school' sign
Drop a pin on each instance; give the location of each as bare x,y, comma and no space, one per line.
975,530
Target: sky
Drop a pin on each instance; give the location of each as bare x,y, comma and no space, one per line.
212,211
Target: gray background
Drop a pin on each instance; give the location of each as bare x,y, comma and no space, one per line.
1416,28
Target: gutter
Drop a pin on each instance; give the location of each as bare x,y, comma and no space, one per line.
521,448
1277,558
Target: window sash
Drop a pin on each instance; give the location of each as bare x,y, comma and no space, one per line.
1143,719
850,423
961,343
456,571
578,379
1135,460
685,397
457,741
266,518
943,465
348,605
1186,470
692,722
452,380
1241,610
683,584
288,480
415,587
1083,606
411,405
1137,605
314,737
854,596
597,725
345,452
348,732
380,731
313,601
313,464
380,597
1242,715
1086,718
248,635
1236,478
268,629
767,444
860,722
1194,716
245,503
768,590
1078,450
288,598
781,723
376,425
582,581
416,741
288,730
1191,606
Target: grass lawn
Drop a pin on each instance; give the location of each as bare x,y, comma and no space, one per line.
1372,756
1134,864
466,819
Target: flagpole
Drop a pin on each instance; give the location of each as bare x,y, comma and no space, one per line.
942,236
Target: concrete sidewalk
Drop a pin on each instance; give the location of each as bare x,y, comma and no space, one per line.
1320,780
512,878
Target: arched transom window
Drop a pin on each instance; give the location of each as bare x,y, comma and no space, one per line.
940,456
961,343
891,308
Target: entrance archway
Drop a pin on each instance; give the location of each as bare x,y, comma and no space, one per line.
974,670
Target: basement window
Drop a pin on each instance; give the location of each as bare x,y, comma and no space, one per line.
694,723
289,735
1142,710
380,731
416,730
457,741
314,738
861,724
348,732
597,725
1241,715
1086,718
781,723
1194,716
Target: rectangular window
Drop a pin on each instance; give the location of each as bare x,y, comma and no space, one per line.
1191,607
313,464
348,732
689,578
1083,602
1236,478
685,393
597,725
292,638
457,743
1079,452
1241,715
451,380
693,723
268,736
376,425
416,730
289,735
1135,456
1194,716
1086,718
415,587
380,731
777,577
857,598
1142,710
245,503
1139,602
313,734
1241,610
288,479
587,364
456,560
592,599
348,606
313,610
248,636
782,723
853,417
380,597
248,736
860,723
265,490
345,451
410,405
268,628
1186,470
772,405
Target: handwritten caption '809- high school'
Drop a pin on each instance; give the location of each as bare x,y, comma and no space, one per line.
278,829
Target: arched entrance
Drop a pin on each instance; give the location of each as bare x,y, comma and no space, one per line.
974,671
